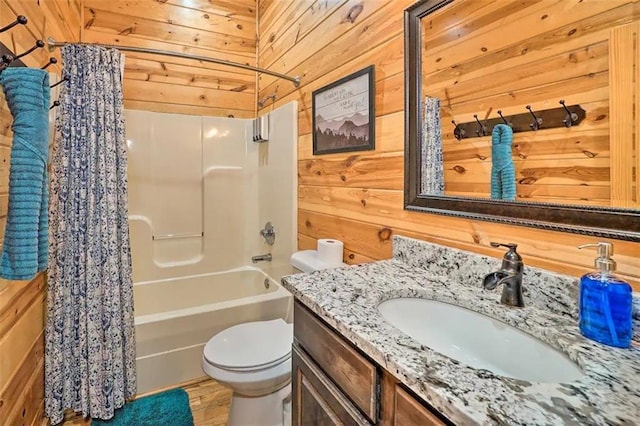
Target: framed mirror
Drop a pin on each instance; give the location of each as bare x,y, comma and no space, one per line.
516,118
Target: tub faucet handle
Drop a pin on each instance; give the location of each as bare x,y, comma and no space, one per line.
269,233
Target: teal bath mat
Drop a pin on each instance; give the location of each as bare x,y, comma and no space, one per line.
165,408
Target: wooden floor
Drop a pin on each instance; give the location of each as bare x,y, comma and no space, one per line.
209,402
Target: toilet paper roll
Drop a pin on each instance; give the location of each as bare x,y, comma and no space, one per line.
330,251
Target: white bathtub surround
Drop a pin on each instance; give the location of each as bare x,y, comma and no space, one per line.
89,334
348,298
176,317
201,190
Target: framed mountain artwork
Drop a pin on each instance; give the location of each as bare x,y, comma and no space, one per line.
343,114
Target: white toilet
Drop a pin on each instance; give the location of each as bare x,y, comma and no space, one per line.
254,360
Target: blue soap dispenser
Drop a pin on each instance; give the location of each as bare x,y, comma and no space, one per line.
605,302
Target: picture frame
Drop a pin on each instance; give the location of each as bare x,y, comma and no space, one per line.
343,114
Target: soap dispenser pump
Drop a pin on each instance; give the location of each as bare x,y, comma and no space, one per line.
605,302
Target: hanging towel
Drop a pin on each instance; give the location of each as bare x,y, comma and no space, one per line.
503,174
25,247
432,173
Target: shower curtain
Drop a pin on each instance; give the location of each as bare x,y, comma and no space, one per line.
90,345
432,164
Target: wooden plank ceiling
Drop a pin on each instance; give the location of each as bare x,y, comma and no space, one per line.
222,29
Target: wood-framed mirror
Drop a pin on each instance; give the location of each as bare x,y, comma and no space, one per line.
466,60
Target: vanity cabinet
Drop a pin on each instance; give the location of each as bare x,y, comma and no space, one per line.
335,384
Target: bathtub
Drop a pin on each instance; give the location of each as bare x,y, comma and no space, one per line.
174,319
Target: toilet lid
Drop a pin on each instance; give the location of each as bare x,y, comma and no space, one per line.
252,345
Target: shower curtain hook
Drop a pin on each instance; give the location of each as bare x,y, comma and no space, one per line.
39,44
52,60
20,19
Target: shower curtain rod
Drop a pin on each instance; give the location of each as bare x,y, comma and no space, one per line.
296,80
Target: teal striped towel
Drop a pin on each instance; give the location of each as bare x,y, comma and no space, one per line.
26,245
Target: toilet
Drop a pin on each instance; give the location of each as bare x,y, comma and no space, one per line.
254,360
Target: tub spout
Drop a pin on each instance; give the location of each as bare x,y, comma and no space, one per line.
261,258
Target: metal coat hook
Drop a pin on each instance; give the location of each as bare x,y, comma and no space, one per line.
62,80
503,119
537,121
52,60
482,131
458,132
39,44
20,19
55,104
571,117
5,60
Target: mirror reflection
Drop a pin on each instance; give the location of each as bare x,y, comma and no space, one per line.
527,117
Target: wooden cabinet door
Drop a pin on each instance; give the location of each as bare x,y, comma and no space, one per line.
408,411
351,372
316,400
313,409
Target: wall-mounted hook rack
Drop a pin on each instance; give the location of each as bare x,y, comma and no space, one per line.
62,80
55,104
553,118
20,19
537,121
52,60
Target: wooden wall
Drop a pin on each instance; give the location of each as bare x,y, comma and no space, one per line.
358,197
222,29
22,302
561,165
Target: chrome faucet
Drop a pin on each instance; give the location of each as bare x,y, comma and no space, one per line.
509,275
261,258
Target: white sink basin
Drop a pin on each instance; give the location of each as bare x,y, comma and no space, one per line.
479,341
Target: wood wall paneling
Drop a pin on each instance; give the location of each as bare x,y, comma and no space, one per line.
22,302
623,60
571,62
358,197
223,30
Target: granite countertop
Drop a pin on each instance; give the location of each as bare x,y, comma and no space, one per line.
346,298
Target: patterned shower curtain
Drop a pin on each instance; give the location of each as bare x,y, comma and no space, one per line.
432,164
90,344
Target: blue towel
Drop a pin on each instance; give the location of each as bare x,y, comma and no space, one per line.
26,245
503,174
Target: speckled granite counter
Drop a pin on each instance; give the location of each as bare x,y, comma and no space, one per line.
347,298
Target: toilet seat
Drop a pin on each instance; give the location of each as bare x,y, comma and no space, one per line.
250,346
